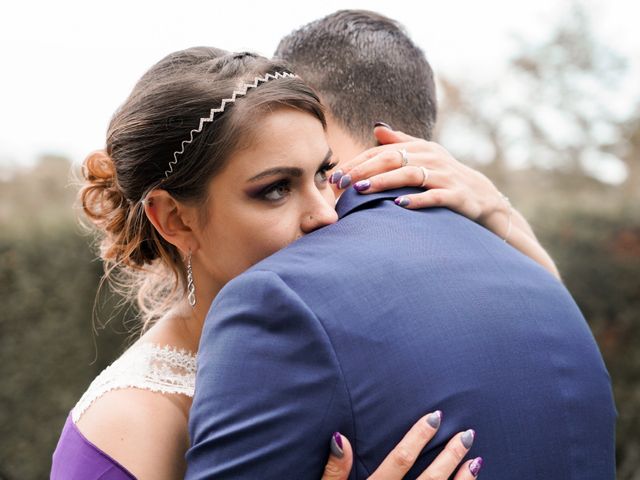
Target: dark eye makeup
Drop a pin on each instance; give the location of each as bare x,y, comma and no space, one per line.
279,189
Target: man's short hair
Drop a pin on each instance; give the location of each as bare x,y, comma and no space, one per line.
366,69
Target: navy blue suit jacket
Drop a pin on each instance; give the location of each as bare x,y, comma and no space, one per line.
365,325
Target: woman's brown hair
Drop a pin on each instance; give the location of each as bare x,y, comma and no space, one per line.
159,114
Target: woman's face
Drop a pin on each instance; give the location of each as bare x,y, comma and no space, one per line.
268,195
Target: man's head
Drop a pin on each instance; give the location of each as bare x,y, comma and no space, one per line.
365,69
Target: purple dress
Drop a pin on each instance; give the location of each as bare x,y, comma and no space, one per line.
76,457
147,366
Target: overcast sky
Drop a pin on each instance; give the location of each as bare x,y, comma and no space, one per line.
67,65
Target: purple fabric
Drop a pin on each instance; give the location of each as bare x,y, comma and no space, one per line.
76,457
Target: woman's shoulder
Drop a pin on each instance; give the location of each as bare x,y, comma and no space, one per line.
144,431
136,410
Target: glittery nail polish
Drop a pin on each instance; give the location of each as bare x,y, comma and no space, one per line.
362,185
335,176
344,181
402,201
434,419
467,438
475,466
336,445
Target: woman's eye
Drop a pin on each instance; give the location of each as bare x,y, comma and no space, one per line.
276,192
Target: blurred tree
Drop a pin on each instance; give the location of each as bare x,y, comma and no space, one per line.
552,109
628,150
569,82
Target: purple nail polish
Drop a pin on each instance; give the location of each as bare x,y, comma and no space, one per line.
345,181
434,419
382,124
475,466
336,445
402,201
467,438
335,176
362,185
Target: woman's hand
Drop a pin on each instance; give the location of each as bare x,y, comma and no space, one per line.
403,456
448,183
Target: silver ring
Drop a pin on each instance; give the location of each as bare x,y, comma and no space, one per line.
425,176
405,157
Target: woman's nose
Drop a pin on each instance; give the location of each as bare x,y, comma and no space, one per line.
322,214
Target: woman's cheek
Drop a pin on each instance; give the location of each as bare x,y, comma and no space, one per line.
276,233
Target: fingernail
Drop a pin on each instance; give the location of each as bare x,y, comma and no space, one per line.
467,438
402,201
382,124
336,445
335,176
434,419
362,185
475,466
345,181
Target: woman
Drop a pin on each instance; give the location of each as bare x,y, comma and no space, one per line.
170,200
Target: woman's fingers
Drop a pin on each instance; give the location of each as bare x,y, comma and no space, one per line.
385,157
402,177
386,135
449,459
442,197
340,459
403,456
413,145
436,197
423,155
469,470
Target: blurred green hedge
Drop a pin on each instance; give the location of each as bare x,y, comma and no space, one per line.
49,353
598,256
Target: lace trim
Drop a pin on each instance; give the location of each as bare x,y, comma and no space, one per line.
162,369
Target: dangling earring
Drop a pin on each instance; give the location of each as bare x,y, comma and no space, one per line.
190,285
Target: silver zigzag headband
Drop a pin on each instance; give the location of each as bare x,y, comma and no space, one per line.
242,90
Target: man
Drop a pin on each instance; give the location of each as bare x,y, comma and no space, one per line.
364,326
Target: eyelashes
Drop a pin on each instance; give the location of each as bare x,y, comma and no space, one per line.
327,166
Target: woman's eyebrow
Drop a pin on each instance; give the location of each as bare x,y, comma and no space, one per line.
292,171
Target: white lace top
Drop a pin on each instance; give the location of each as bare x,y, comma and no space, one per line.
146,366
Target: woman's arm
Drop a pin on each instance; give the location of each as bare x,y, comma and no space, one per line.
449,184
520,235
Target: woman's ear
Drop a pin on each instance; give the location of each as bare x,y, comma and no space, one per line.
172,220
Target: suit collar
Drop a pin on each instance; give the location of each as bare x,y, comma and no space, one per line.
351,199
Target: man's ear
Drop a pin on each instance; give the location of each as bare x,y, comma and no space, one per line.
172,220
